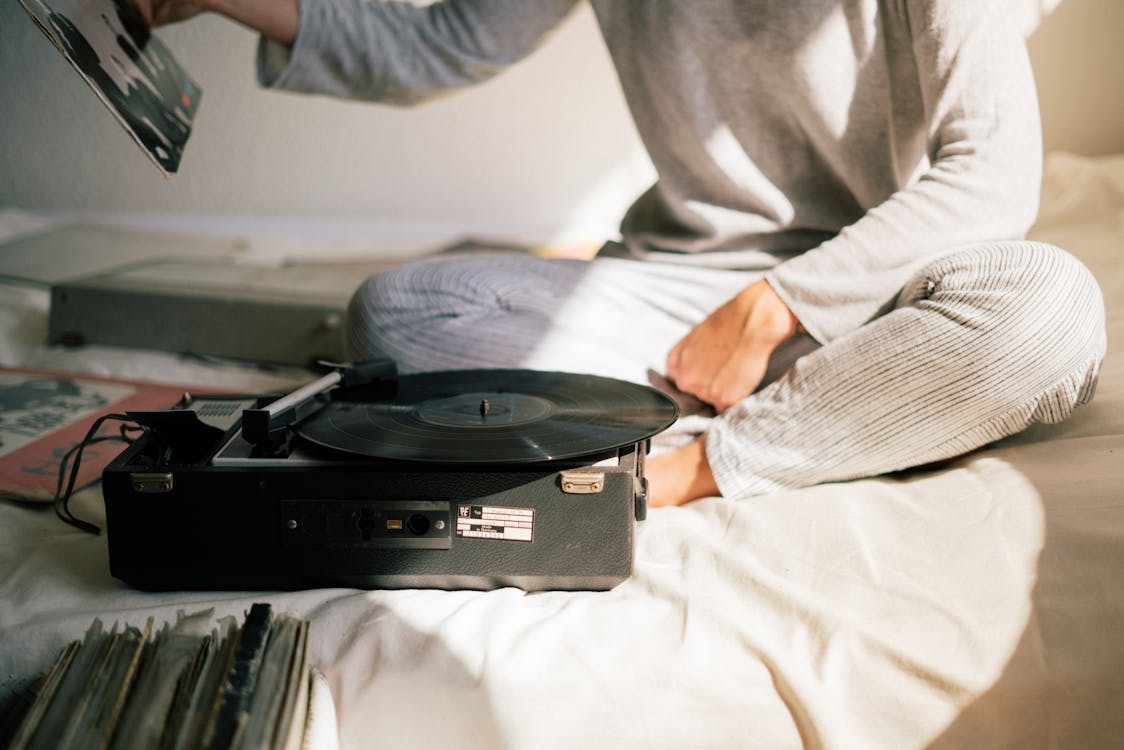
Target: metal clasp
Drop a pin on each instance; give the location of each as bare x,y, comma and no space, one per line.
582,482
152,483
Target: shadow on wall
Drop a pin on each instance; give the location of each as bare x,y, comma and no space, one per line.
1079,68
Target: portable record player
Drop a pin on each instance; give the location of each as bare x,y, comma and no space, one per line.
472,479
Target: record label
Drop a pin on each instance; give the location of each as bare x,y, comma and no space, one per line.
485,410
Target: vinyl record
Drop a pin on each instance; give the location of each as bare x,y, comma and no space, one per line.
491,416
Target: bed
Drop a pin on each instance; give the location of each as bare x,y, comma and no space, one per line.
979,603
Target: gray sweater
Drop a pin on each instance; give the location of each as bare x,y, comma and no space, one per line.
834,144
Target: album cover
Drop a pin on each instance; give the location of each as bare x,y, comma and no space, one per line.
129,68
194,683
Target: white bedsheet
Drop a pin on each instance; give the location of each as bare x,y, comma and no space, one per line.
980,604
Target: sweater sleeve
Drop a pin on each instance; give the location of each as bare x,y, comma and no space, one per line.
981,182
401,53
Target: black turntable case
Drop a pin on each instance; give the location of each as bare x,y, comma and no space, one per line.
200,526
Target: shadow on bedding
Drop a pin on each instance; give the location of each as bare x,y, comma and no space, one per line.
396,685
1063,685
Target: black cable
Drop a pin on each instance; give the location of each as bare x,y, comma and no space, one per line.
62,498
74,448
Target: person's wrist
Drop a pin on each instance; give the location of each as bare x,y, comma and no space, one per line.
772,322
274,19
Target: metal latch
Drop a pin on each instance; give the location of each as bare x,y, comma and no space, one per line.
152,483
583,482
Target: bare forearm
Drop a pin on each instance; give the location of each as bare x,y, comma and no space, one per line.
273,19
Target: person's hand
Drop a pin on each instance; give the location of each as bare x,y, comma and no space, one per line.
724,357
160,12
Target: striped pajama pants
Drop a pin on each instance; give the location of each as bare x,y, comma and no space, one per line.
981,343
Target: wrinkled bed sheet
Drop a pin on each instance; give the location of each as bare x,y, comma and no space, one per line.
977,604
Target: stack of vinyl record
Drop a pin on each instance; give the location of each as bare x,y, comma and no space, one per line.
189,685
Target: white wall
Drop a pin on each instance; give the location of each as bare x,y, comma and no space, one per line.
545,150
1077,51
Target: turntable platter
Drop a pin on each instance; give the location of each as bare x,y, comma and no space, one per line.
491,416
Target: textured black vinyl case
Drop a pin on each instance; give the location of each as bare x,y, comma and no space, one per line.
372,525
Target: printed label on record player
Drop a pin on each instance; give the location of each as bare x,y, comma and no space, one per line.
493,522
